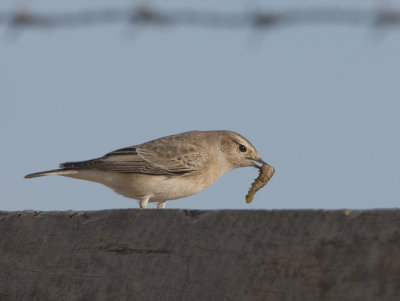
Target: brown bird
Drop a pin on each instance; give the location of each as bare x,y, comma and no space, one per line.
167,168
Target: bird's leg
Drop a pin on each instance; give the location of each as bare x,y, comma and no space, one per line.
143,202
161,205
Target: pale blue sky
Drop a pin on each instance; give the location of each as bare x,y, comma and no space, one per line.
321,104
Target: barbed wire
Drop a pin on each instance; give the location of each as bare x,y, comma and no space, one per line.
146,15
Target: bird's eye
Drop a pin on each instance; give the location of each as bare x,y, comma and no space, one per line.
242,148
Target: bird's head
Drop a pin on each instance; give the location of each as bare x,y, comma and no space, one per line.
238,151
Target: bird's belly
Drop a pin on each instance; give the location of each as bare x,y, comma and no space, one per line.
162,188
158,187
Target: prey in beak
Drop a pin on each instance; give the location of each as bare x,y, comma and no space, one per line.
266,172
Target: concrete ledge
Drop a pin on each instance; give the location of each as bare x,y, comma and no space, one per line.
200,255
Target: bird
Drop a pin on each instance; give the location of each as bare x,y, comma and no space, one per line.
166,168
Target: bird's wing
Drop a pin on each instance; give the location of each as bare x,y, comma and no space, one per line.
175,159
149,158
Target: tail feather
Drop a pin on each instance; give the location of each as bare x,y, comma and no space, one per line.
60,172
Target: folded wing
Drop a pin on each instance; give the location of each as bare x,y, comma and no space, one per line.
148,158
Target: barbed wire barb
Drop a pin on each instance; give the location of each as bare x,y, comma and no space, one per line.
147,15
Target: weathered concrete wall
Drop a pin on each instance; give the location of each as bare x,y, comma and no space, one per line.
200,255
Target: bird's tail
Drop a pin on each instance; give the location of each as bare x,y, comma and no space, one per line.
60,172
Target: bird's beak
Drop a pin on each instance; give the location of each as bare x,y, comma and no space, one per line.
259,161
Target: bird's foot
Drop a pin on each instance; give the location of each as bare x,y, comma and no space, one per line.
79,213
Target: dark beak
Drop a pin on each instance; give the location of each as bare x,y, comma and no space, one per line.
259,161
263,162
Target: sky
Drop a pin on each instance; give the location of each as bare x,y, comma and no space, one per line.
320,103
